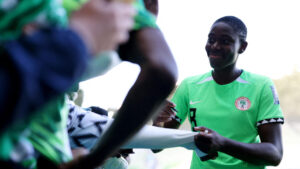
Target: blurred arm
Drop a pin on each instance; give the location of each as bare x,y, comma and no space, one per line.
157,78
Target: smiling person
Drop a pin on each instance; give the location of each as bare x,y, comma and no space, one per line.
238,111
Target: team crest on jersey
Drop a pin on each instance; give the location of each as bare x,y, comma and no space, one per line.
242,103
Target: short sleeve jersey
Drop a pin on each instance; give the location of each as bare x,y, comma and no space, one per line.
15,14
45,131
48,132
233,110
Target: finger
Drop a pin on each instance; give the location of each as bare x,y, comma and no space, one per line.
163,119
126,25
127,10
121,37
167,108
170,104
200,128
78,152
169,112
211,156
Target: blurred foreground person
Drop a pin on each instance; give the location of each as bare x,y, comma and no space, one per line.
43,58
147,48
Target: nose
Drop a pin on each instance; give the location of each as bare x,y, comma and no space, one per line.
215,45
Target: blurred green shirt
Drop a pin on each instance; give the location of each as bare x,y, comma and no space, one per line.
45,132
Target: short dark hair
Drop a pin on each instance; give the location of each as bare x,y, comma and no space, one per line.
237,25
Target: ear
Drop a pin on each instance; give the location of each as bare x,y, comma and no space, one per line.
243,47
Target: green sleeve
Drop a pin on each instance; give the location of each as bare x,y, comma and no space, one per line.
143,17
269,107
181,99
14,16
73,5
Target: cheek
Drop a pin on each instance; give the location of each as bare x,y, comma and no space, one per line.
231,51
207,48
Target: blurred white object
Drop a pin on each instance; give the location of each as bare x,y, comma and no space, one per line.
101,64
115,163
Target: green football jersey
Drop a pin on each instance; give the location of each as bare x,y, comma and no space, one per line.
233,110
14,15
44,132
48,132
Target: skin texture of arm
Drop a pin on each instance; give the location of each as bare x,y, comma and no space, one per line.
173,124
268,152
157,78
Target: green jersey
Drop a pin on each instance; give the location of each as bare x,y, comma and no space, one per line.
233,110
44,132
14,15
48,132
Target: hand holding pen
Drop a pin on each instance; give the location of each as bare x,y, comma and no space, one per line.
168,113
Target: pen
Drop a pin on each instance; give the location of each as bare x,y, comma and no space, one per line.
175,117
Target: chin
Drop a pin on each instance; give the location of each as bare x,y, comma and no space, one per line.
215,65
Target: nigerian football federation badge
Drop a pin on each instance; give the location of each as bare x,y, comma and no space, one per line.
242,103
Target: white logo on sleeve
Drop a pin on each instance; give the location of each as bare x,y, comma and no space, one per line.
275,95
195,102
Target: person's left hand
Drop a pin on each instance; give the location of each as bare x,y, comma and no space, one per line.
209,142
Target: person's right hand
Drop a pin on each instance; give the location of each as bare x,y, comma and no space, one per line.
209,142
103,25
166,114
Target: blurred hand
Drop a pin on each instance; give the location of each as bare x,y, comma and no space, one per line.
209,142
78,152
167,114
103,25
79,155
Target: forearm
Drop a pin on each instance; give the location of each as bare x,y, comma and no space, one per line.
173,124
142,101
259,154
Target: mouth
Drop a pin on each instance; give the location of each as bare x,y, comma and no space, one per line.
215,56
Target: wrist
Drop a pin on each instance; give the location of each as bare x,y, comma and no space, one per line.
224,144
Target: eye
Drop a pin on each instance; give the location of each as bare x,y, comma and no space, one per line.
211,40
225,41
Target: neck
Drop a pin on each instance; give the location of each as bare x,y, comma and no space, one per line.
227,75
